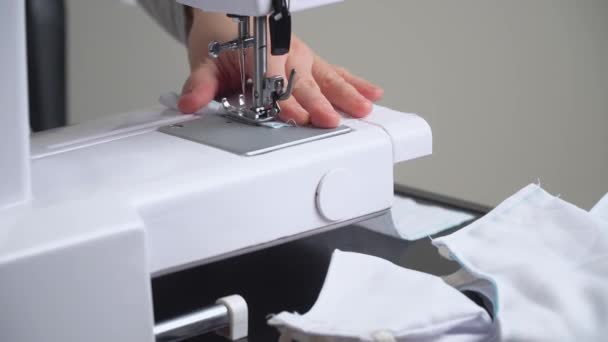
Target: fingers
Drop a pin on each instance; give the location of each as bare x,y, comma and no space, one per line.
341,93
309,96
200,88
290,108
366,88
306,92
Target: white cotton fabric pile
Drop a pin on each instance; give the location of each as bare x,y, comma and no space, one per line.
365,298
541,262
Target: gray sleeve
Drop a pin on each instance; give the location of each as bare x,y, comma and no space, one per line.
170,15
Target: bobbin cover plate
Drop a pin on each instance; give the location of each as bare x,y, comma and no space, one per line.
335,186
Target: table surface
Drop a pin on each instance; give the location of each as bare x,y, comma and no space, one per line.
289,277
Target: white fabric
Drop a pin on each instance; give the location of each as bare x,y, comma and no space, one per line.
541,262
544,264
171,99
601,208
370,299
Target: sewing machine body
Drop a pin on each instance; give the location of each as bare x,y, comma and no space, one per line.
252,7
109,213
199,203
89,213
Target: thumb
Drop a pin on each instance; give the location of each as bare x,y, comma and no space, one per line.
200,88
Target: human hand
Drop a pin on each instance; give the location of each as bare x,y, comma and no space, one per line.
318,88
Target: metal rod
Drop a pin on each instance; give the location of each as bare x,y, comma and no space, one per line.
243,35
193,324
243,27
216,48
259,60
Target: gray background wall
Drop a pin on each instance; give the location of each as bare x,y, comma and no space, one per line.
514,90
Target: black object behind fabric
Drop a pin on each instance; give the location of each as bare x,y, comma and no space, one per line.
46,59
288,277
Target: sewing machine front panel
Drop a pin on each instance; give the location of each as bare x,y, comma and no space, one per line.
198,202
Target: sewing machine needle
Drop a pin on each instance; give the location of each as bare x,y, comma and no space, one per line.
242,65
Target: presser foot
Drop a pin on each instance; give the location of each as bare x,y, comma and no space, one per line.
243,114
273,92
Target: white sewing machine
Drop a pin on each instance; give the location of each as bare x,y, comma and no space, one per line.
90,213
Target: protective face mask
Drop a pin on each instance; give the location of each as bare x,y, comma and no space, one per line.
543,265
538,263
365,298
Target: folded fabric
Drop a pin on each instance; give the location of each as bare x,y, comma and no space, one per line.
536,262
411,220
171,99
543,264
370,299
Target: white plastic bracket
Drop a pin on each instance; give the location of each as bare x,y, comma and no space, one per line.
239,317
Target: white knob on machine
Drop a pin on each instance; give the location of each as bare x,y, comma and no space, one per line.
335,190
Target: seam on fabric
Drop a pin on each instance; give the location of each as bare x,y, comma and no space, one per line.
475,272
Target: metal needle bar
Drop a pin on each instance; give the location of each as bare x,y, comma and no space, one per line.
193,324
243,35
259,60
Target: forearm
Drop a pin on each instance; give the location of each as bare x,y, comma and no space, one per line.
172,16
206,27
192,27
